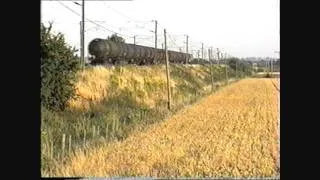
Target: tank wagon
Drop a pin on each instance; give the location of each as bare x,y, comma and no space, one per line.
110,52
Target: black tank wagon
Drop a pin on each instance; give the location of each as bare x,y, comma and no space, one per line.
106,51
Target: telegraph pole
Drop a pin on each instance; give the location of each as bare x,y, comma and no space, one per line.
202,50
134,39
211,54
236,68
155,32
167,68
218,56
82,42
271,67
225,59
211,72
187,48
278,53
81,47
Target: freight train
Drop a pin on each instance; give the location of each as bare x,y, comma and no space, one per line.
109,52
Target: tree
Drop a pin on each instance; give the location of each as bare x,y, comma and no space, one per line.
233,63
116,38
58,70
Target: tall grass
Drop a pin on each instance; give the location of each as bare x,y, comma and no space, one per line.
233,133
118,101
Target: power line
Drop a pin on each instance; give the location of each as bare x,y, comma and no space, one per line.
160,26
68,8
128,36
131,20
92,21
171,39
144,22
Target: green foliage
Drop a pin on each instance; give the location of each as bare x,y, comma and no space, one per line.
58,70
233,63
245,67
116,38
260,70
199,61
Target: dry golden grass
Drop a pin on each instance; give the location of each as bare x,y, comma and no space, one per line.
99,83
91,86
230,133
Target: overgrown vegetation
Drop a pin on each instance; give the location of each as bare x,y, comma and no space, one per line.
231,134
119,101
244,68
100,105
116,38
58,70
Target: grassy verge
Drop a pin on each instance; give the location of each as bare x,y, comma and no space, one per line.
114,102
232,133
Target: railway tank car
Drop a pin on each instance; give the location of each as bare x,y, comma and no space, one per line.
106,51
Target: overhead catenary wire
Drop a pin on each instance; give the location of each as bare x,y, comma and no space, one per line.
174,37
108,6
175,43
130,19
93,21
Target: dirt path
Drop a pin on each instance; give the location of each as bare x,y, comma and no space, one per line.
231,133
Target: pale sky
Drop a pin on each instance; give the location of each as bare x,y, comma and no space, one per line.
241,28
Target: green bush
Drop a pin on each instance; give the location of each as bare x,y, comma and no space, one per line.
58,70
260,70
116,38
233,63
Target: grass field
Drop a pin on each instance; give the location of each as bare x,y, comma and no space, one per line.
114,102
231,133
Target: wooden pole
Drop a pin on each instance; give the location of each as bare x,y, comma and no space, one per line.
226,71
69,144
94,132
81,48
211,72
202,51
155,32
51,156
84,137
167,68
236,69
113,126
271,67
107,131
117,127
83,39
218,57
187,51
63,143
211,54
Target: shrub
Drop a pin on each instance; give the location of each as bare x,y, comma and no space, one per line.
233,63
58,70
